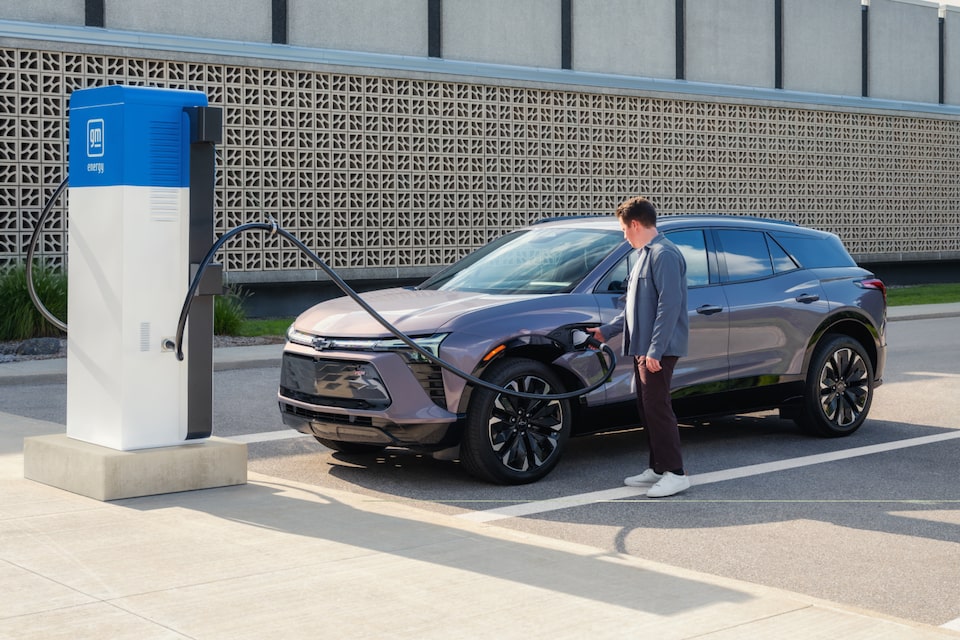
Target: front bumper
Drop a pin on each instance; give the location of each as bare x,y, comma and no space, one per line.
361,397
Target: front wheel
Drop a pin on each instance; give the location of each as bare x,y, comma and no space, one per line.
839,388
511,440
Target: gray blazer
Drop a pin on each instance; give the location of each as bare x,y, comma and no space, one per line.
661,325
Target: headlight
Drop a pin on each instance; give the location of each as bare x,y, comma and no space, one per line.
299,337
429,343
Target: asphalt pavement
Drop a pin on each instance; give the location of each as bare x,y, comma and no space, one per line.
281,559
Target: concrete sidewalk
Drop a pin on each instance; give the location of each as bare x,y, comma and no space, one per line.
278,559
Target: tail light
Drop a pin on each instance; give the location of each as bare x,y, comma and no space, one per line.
873,283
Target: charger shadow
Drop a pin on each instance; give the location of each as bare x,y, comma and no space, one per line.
312,513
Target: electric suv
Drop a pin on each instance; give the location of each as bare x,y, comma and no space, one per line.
780,318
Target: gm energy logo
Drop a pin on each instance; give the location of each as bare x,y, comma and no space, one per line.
95,138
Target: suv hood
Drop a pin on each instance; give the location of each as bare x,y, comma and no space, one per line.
414,312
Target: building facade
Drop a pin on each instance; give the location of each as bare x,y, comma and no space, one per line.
395,136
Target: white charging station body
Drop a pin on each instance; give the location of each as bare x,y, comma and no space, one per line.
128,265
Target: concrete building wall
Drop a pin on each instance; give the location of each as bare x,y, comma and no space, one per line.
730,42
379,26
69,12
246,20
952,54
904,52
395,165
629,37
821,46
503,32
725,42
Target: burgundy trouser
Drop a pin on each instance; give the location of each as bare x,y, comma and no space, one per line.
656,414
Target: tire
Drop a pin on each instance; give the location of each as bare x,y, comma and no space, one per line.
349,447
839,388
510,440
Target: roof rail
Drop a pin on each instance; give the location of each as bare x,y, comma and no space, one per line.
576,217
673,215
731,216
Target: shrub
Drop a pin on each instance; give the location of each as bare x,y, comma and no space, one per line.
20,319
228,312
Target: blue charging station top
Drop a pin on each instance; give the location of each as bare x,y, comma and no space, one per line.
132,136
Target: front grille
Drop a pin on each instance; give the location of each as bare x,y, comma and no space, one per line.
327,401
348,384
329,418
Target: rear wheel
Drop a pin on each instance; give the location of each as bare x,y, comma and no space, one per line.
349,447
511,440
839,388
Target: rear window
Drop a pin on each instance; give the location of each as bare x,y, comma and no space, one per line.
813,252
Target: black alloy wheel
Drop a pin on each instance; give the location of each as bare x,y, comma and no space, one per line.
839,388
511,440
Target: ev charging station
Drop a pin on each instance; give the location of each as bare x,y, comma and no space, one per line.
140,218
130,219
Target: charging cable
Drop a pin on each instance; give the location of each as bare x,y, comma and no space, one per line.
31,290
578,337
276,229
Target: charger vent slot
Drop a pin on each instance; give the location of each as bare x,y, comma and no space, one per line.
144,337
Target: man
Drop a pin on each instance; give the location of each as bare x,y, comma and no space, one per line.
655,327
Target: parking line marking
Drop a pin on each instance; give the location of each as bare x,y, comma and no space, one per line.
933,374
267,436
953,625
565,502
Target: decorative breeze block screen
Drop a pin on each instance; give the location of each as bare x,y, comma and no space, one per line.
411,174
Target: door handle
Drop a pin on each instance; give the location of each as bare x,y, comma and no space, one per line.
807,298
708,309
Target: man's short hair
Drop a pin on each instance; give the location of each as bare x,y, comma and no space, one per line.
640,209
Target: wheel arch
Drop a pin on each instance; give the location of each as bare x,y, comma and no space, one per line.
848,324
532,347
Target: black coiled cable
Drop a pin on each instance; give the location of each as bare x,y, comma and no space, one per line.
31,290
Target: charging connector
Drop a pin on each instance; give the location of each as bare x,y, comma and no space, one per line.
580,338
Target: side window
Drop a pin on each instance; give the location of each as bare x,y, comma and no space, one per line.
616,279
782,262
814,251
745,255
691,244
694,250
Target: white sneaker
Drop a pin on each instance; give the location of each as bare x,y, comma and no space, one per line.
669,485
646,478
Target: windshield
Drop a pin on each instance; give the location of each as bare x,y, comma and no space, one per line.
545,260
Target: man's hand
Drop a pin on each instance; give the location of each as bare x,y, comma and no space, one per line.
653,365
